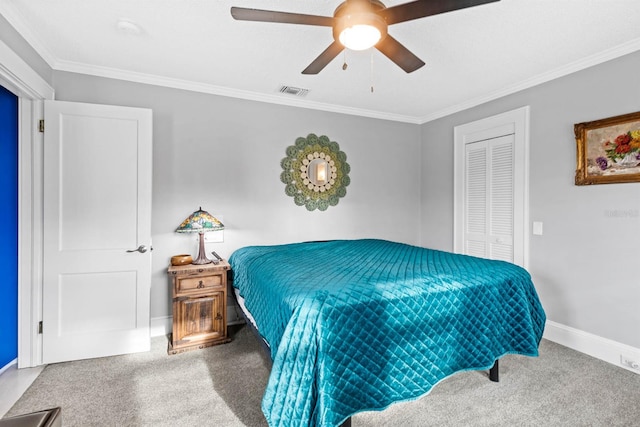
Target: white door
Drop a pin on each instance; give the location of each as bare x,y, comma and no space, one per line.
491,209
97,213
488,228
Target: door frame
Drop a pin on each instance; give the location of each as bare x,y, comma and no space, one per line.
19,78
516,122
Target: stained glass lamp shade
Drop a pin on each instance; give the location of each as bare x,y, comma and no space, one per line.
200,222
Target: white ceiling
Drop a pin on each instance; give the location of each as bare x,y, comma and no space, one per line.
472,55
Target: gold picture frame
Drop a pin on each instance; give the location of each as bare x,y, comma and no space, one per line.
608,150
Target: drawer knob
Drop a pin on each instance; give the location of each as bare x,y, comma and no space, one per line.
200,284
219,316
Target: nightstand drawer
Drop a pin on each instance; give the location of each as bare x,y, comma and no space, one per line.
189,285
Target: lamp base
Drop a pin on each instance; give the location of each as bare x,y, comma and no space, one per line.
202,257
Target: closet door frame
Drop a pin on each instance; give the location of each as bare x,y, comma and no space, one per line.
514,122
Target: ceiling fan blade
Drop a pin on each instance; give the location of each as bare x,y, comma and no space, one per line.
399,54
324,58
244,14
423,8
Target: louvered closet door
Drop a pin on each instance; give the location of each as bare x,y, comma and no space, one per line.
489,204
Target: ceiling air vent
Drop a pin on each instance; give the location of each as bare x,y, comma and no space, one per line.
296,91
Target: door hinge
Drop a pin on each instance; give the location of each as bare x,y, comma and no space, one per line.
41,125
40,327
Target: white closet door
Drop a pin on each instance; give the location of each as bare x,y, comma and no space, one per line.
489,198
491,208
476,215
500,176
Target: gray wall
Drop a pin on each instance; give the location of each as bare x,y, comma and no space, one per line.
586,265
224,154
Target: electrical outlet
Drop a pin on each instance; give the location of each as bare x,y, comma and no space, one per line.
629,362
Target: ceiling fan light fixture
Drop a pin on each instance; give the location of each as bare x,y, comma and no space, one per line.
362,24
360,31
360,37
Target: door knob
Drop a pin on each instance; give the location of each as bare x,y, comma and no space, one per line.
142,249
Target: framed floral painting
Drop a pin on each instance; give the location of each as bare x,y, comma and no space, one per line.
608,150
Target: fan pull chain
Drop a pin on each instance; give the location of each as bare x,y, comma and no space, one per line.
371,71
344,65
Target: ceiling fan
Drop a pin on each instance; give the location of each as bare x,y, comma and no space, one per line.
361,24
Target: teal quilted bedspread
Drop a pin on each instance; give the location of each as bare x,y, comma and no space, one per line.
357,325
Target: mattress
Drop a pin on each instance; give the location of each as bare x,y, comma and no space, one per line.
247,313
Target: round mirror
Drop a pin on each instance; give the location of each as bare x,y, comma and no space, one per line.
317,171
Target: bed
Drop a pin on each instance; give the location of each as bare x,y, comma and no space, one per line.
355,325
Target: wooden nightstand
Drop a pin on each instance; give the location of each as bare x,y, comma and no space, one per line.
199,306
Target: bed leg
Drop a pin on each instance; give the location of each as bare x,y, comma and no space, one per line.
346,423
494,372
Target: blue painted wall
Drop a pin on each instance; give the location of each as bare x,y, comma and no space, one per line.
9,228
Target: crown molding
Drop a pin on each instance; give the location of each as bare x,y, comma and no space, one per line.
584,63
280,99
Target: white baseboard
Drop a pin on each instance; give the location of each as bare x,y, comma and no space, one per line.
595,346
13,383
8,365
161,326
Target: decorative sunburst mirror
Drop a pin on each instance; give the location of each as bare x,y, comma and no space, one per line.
315,172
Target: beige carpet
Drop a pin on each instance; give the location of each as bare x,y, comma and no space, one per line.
223,386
